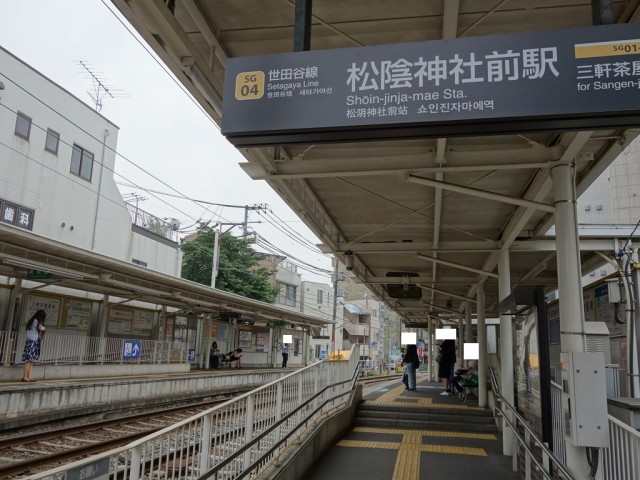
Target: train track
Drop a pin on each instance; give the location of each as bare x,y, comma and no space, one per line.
25,455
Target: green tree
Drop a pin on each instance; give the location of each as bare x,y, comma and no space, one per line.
238,270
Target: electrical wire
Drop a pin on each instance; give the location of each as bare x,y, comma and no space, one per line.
70,178
93,137
162,66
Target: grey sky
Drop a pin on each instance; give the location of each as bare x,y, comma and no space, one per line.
161,129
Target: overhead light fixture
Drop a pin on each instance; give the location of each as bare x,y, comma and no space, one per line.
349,260
43,268
201,82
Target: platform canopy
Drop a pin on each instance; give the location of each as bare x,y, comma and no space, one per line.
431,207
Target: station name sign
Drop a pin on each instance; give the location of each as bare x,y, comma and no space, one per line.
563,79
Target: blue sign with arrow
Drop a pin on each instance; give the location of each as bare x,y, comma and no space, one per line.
132,349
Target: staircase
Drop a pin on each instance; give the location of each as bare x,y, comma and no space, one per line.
425,418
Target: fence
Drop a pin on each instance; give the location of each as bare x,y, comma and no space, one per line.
620,460
79,350
237,439
152,223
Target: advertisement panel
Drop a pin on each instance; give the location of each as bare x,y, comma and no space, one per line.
575,78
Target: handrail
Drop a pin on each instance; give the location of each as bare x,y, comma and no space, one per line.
558,463
239,438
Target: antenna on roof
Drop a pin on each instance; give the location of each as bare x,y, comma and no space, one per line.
100,88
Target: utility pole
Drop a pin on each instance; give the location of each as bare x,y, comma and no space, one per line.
335,306
216,256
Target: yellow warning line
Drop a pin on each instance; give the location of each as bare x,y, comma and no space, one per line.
478,452
407,466
428,433
394,397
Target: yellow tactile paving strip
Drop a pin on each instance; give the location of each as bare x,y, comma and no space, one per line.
394,397
428,433
407,466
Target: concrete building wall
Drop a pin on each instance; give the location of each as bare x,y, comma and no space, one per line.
89,212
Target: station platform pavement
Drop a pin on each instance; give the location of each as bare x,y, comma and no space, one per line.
404,453
23,404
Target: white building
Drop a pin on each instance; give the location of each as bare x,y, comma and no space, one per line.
612,200
57,157
56,174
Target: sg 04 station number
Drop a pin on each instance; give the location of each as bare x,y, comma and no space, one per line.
249,85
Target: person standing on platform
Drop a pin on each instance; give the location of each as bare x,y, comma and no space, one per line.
412,362
285,354
447,363
35,331
214,356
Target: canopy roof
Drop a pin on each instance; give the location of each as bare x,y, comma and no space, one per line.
419,209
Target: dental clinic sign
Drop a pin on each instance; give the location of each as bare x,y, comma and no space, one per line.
578,78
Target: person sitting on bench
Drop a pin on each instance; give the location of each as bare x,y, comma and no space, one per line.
234,356
460,376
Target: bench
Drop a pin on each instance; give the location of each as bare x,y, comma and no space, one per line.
469,383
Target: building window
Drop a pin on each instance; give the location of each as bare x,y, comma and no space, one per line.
320,292
52,141
23,126
290,296
138,262
598,207
81,162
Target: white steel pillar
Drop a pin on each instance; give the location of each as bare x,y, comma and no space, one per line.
506,351
430,348
572,336
460,338
468,331
482,344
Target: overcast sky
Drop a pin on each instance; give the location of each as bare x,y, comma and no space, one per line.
161,128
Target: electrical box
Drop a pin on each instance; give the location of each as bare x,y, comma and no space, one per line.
584,399
616,291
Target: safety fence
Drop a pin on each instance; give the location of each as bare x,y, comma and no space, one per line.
620,460
79,350
237,439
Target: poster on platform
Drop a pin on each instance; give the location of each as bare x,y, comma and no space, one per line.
50,305
120,320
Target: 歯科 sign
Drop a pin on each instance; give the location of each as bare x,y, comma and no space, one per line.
578,78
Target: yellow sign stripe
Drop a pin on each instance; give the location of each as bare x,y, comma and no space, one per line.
607,49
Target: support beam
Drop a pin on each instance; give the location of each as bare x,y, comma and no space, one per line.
482,344
480,193
506,354
302,26
458,265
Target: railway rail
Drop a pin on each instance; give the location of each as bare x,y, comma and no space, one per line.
28,454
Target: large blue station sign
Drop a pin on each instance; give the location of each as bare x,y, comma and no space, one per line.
564,79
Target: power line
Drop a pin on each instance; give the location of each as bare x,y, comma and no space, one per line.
69,145
162,66
95,138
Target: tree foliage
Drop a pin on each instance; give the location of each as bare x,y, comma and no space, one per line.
238,270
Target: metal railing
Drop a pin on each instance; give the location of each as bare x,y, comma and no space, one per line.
238,439
152,223
537,456
620,460
79,350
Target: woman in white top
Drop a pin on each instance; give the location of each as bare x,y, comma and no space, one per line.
35,330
